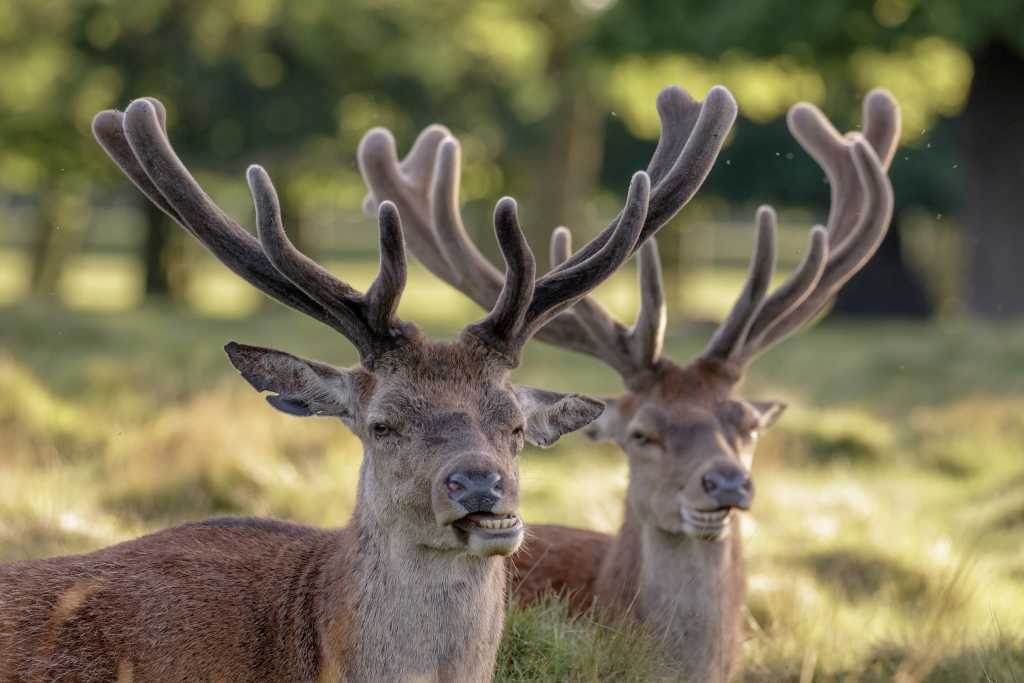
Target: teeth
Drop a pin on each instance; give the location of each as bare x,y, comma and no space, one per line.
705,518
498,523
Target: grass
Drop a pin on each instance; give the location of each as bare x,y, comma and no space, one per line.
885,543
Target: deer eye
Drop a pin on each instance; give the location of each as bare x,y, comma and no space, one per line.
640,438
518,438
381,430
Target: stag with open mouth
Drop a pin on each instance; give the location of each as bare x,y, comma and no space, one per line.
393,595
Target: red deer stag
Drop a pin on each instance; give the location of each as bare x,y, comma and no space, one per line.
413,588
676,562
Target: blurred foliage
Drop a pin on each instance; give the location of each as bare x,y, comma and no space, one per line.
919,49
295,85
553,103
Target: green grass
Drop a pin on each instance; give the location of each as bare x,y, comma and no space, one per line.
885,543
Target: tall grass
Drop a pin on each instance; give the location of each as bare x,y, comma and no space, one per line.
885,543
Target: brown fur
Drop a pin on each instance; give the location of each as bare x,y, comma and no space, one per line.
399,594
687,589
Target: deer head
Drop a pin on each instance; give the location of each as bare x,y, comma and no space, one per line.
441,423
689,437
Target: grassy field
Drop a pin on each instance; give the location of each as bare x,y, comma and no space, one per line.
885,543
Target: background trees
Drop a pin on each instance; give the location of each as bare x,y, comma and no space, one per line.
552,101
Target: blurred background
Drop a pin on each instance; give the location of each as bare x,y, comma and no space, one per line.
891,496
554,104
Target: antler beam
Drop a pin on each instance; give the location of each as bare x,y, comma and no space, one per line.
137,142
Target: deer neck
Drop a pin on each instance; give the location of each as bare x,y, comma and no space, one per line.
402,612
689,592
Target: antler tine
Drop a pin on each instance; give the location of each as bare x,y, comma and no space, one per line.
561,288
630,351
731,333
505,320
474,274
678,113
508,327
108,129
137,142
797,286
844,261
407,183
858,219
882,124
367,321
703,141
386,289
647,335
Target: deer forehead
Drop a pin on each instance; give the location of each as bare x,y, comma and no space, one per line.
687,425
445,403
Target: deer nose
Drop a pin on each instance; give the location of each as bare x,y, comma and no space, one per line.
729,486
475,491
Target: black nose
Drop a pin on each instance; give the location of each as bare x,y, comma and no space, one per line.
729,486
475,491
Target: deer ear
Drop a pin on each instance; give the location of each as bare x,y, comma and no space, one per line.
300,387
550,414
767,412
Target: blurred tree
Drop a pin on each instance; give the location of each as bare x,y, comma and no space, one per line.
928,54
543,86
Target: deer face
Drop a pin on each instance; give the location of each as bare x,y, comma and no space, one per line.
690,449
441,428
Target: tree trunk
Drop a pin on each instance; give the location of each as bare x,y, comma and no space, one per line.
886,287
576,144
45,269
155,265
992,140
60,228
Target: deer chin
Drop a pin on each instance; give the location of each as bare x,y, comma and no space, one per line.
706,525
486,534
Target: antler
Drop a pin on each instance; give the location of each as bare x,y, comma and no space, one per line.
425,185
861,210
523,305
861,207
137,142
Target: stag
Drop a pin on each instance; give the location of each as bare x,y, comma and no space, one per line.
676,563
413,587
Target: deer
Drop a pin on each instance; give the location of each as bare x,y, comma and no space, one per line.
413,587
676,564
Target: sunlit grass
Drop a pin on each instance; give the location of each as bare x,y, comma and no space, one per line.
14,275
885,539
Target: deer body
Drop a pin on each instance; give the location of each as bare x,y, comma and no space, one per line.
676,563
688,592
253,600
258,600
413,589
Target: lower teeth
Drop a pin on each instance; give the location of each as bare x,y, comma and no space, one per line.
506,523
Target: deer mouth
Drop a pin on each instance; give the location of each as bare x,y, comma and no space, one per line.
486,533
488,522
706,525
